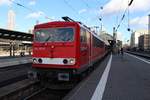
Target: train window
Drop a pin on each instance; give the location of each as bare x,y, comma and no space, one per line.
88,35
97,42
83,37
54,35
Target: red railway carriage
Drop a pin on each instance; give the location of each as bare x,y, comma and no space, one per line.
63,49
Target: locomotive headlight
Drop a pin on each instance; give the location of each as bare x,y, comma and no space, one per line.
34,60
72,61
69,61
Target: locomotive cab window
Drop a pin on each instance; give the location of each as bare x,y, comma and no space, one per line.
54,35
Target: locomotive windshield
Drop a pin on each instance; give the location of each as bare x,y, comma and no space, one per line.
54,35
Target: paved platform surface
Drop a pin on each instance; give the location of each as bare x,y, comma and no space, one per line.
86,88
128,79
10,61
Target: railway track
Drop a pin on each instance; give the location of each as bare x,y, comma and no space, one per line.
12,74
19,90
140,55
15,67
34,94
12,80
47,94
30,90
15,85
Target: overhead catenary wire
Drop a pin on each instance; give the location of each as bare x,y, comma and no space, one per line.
128,17
75,11
87,5
72,8
18,4
117,14
130,3
123,16
31,10
99,18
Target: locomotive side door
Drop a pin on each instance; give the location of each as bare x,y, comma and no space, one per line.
84,47
88,34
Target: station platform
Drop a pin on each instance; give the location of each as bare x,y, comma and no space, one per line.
11,61
116,78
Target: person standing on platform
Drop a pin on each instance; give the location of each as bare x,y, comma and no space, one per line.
121,51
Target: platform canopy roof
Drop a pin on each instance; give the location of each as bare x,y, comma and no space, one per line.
15,35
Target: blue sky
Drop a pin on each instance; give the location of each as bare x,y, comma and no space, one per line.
86,11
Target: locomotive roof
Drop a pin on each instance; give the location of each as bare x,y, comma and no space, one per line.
55,23
93,33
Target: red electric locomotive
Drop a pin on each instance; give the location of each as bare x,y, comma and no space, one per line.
64,49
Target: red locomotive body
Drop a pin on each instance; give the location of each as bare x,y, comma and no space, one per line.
62,49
